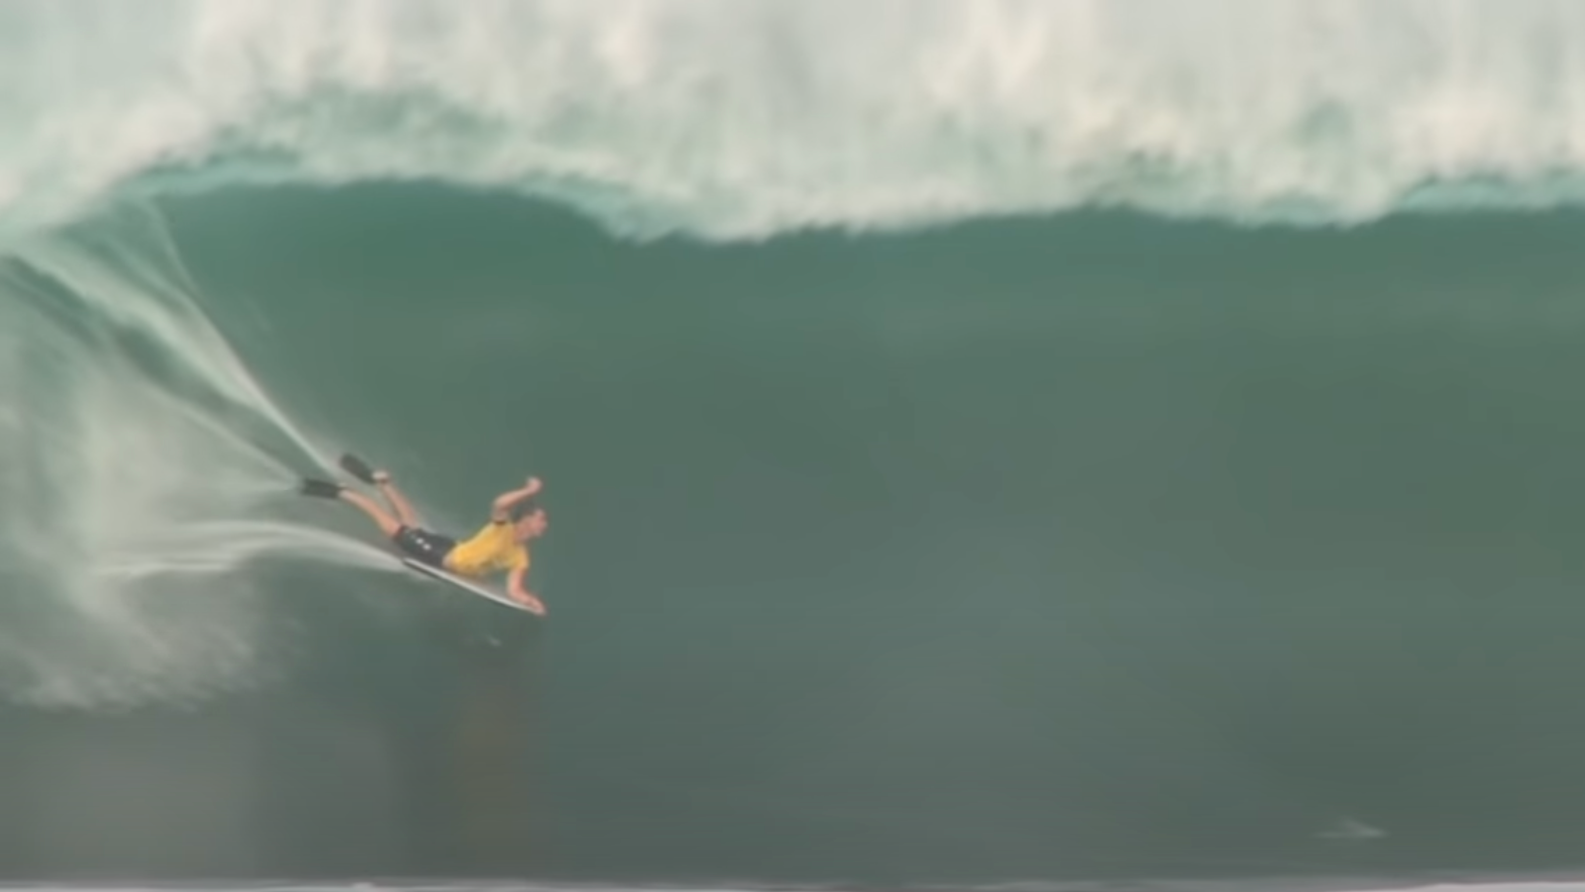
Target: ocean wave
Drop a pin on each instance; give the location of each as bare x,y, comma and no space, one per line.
141,466
745,118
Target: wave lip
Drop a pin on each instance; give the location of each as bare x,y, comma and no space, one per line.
739,118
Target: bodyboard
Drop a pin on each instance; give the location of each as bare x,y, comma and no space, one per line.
464,584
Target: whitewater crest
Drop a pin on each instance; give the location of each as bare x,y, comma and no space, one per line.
744,118
142,473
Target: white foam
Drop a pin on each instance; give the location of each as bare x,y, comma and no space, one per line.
144,477
746,117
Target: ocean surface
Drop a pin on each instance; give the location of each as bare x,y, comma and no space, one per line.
1038,446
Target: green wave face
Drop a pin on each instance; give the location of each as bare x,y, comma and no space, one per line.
1066,547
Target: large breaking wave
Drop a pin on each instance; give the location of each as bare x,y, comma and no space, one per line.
736,118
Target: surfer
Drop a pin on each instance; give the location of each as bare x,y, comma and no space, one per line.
501,545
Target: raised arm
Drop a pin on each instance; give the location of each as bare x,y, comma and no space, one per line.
501,508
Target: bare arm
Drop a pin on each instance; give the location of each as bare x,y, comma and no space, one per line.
514,587
501,508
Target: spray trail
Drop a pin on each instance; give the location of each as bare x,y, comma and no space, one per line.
142,472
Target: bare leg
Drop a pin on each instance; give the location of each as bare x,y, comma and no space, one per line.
398,502
388,524
357,467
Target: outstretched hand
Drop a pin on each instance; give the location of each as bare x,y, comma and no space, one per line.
533,485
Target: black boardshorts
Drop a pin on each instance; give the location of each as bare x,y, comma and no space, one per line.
424,546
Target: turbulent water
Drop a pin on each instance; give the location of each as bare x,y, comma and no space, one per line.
735,117
1045,443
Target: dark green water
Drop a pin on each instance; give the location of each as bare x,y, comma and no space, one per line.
1059,548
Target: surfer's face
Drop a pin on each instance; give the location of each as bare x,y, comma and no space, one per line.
532,525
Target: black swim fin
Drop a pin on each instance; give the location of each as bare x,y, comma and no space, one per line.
320,489
357,467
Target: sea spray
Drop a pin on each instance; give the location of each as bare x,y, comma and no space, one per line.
740,118
144,473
